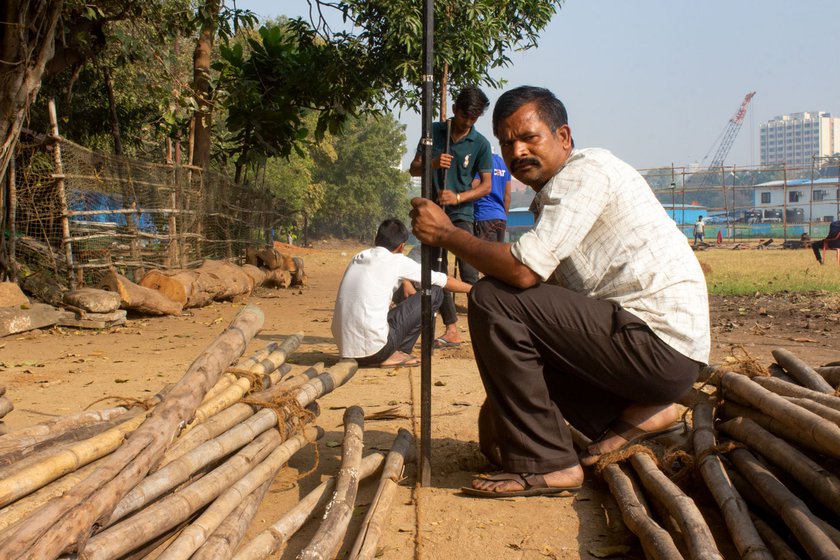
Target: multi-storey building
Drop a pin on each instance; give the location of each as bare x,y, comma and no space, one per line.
797,138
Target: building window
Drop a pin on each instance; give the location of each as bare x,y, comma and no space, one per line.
765,198
793,196
820,195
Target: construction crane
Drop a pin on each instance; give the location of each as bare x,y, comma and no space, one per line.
729,133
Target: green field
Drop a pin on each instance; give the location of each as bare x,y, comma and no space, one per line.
773,270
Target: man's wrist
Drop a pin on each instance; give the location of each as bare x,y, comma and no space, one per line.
457,198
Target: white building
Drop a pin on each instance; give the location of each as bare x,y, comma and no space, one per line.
796,138
800,200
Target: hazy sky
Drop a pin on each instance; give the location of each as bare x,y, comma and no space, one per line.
656,81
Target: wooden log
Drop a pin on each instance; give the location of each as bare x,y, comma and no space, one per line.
330,534
656,542
93,300
828,413
257,274
735,511
779,372
65,522
138,298
830,374
698,536
298,274
790,509
786,389
275,537
196,534
815,431
233,279
376,518
820,483
277,278
176,285
171,510
225,540
777,545
6,406
801,371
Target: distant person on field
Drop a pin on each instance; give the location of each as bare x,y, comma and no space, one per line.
364,325
491,210
832,241
455,161
699,230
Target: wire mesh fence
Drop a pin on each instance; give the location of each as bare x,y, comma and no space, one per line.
78,212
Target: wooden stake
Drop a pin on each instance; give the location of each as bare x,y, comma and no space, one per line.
735,511
327,539
376,518
793,511
801,371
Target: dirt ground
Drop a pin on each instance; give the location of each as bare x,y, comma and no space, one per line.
58,371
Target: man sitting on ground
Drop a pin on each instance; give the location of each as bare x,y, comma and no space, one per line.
597,316
364,325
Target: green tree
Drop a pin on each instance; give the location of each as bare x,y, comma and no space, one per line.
364,184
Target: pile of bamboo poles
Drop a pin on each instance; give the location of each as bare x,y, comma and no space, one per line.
765,452
194,461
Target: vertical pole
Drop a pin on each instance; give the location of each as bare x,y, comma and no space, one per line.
62,196
725,204
784,202
811,196
427,324
12,207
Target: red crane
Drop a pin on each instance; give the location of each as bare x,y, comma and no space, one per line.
729,133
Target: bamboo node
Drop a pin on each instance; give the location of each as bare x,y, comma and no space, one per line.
257,380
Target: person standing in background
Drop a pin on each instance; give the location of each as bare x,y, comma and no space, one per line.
699,230
491,210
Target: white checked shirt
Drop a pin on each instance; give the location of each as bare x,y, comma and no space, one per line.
600,231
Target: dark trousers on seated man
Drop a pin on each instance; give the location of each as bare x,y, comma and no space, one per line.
468,274
548,355
403,326
818,244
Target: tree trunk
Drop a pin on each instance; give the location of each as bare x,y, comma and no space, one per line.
112,111
201,81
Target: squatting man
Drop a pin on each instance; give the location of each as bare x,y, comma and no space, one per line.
597,316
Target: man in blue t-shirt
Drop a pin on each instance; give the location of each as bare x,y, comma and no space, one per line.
491,211
455,161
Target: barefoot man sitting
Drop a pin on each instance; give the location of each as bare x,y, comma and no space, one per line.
598,316
365,325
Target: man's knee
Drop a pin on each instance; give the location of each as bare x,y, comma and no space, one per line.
486,292
437,297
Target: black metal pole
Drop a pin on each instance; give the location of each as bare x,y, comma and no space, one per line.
427,324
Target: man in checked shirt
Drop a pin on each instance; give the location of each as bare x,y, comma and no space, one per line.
597,317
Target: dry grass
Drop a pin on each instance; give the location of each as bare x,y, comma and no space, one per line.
730,272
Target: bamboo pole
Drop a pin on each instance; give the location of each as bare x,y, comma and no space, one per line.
830,374
275,537
196,534
212,427
656,541
829,414
171,510
776,544
225,540
819,482
698,537
801,371
62,195
793,511
27,480
65,522
786,389
376,517
815,431
328,537
735,511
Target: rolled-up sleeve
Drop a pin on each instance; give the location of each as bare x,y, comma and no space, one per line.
536,255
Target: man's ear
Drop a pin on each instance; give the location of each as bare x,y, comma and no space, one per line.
564,133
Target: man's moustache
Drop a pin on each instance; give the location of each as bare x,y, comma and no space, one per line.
524,161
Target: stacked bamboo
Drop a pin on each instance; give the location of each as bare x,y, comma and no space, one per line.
197,459
766,448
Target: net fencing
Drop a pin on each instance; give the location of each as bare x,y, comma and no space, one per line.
78,212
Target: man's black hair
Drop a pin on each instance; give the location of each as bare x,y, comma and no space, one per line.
472,102
550,109
390,234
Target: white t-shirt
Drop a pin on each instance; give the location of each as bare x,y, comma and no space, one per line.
360,317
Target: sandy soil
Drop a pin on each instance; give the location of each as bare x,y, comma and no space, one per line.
58,371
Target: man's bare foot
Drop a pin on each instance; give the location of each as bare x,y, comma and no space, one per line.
451,334
635,423
400,359
567,479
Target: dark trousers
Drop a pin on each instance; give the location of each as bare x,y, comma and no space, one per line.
403,326
547,355
818,244
491,230
468,273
